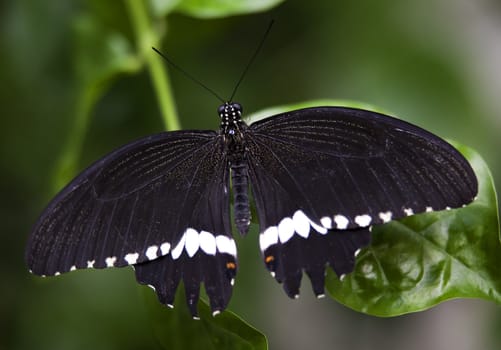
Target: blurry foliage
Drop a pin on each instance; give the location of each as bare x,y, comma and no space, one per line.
75,86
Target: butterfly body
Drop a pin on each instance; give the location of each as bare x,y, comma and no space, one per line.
320,178
233,129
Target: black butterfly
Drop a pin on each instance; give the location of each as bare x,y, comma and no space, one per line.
320,178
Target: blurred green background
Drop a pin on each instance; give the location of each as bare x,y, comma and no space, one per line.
72,83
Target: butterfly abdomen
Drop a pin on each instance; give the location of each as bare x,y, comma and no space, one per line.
240,184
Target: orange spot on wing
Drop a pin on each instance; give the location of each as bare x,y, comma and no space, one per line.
269,259
231,265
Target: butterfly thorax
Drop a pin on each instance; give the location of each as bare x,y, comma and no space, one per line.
231,119
232,130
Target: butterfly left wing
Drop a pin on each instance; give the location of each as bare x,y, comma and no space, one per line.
322,176
160,203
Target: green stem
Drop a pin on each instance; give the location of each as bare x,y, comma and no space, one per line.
146,38
67,163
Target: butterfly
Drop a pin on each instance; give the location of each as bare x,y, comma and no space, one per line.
320,178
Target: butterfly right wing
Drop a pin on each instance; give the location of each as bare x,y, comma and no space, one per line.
322,176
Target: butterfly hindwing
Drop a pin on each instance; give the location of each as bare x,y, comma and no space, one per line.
336,171
312,254
206,255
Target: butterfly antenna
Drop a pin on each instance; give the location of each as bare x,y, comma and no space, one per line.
189,76
252,59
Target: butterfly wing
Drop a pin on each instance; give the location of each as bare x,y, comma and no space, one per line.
322,176
162,199
209,254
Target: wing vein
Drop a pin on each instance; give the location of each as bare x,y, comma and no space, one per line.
289,173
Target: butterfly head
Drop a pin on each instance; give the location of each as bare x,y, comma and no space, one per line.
231,116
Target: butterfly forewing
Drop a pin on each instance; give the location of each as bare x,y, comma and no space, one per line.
137,197
349,162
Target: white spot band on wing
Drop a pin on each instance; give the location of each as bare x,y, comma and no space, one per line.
131,258
226,245
341,222
386,217
151,252
110,261
268,238
285,229
192,242
207,242
363,220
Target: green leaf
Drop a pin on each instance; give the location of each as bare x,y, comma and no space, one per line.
175,328
415,263
163,7
222,8
149,29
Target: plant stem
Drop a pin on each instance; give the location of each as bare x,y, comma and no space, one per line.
146,38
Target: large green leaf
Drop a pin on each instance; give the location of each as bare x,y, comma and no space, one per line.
417,262
175,328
